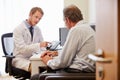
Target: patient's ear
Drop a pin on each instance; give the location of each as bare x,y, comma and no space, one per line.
69,23
67,20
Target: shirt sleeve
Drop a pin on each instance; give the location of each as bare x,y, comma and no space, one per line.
65,57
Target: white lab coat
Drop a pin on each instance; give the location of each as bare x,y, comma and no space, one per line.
23,46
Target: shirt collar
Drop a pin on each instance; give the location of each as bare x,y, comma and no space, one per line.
80,22
27,24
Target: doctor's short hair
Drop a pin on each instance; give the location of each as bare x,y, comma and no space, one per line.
34,9
73,13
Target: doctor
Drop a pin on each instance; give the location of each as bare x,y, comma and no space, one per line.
27,42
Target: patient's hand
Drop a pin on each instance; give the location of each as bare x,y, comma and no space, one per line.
46,58
50,53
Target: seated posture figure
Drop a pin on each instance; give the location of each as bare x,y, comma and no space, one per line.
79,43
27,39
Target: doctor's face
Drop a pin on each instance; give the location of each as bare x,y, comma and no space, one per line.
35,18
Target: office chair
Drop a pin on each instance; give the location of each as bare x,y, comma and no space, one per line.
65,76
7,46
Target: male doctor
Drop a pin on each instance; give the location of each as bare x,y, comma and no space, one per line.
28,39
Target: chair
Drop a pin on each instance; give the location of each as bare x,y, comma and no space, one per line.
67,76
7,46
64,76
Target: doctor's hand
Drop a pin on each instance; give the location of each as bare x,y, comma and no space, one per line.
44,44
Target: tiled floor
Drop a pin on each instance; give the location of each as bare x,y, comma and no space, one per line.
7,77
2,65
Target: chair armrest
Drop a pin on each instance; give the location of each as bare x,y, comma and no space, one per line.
44,75
9,56
70,78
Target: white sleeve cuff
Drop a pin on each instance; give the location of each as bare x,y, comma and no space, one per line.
48,63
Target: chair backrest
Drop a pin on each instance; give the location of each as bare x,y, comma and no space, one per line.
7,43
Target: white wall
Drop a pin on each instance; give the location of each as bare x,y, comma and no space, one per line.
92,12
83,6
87,8
13,12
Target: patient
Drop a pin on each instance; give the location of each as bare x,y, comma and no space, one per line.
79,43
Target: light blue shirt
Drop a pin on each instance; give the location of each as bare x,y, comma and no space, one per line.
28,25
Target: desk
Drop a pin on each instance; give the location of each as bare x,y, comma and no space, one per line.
35,63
